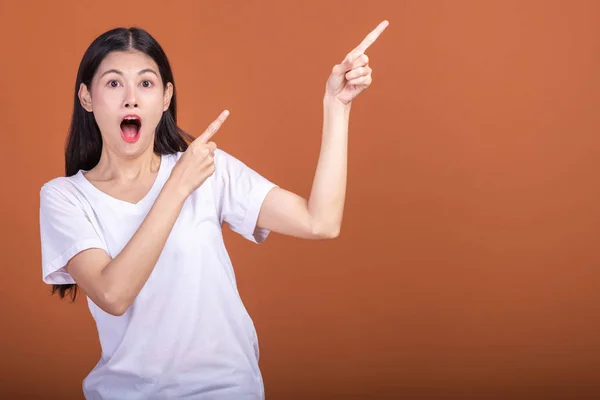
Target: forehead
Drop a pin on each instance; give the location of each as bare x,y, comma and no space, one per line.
128,62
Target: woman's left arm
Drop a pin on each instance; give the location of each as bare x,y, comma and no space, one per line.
320,217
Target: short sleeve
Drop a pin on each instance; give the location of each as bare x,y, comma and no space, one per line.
65,231
240,192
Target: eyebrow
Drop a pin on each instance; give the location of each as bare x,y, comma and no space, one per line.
116,71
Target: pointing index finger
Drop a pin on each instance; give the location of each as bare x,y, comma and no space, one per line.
371,37
213,128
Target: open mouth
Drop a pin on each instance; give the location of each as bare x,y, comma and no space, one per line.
130,128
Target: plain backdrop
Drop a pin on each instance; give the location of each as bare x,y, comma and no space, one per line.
467,265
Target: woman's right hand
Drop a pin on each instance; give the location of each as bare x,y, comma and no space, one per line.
196,164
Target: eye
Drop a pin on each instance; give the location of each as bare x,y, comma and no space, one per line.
113,84
146,84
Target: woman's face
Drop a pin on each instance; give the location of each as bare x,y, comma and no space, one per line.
128,98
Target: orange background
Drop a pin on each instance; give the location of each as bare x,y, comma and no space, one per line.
468,263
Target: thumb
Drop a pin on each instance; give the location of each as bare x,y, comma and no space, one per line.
339,70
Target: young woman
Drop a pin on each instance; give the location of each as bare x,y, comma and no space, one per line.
136,224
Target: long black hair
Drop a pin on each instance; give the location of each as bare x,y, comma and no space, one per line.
84,143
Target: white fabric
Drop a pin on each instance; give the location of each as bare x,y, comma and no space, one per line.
187,334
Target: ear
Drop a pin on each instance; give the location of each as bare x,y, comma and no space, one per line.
167,96
85,98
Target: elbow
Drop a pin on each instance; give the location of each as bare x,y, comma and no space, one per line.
333,234
327,232
117,310
113,304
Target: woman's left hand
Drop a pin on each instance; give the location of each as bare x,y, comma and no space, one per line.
353,75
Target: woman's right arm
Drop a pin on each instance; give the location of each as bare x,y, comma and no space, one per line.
113,284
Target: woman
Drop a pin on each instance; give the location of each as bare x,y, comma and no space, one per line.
136,224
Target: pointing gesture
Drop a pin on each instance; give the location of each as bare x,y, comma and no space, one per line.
371,37
196,164
211,130
353,75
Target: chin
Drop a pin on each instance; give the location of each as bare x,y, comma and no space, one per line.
132,150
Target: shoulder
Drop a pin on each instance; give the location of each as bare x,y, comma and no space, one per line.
67,189
228,168
61,184
225,160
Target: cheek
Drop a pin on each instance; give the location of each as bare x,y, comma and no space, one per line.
154,108
156,102
104,115
104,102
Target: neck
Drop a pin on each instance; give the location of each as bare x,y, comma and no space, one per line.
114,167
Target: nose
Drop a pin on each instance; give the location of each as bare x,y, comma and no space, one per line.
130,99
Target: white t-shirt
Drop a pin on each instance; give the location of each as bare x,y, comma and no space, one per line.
187,334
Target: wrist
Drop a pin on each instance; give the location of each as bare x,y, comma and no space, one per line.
174,191
331,103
